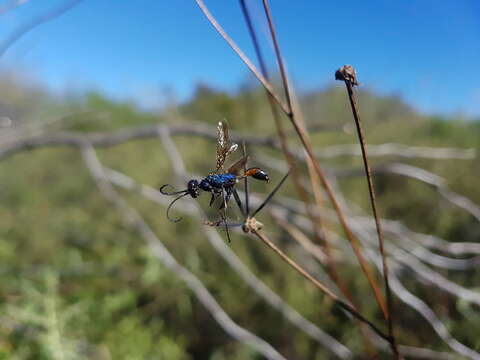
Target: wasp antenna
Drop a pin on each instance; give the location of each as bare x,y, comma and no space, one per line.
170,205
171,193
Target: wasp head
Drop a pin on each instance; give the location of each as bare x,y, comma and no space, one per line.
193,188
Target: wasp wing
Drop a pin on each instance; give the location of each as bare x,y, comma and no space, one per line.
238,166
224,146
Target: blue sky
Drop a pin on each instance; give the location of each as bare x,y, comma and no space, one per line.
428,51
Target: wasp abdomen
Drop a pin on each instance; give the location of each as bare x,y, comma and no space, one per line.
257,173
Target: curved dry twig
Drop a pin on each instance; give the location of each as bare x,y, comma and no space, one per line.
415,242
439,183
36,21
409,241
420,306
409,299
414,172
413,263
398,151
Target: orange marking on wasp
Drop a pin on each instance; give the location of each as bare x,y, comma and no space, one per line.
257,173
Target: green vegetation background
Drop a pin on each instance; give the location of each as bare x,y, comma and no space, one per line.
76,282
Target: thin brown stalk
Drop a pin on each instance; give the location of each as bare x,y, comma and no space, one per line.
345,306
281,65
308,147
347,74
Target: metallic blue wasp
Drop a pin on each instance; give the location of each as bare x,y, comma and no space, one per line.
220,183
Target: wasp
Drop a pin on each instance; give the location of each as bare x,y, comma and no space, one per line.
221,182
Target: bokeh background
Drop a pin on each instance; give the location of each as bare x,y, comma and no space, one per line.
78,281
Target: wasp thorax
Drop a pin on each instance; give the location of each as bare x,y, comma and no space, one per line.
205,185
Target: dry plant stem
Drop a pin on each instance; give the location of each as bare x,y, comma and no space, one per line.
133,218
350,83
348,308
308,147
281,65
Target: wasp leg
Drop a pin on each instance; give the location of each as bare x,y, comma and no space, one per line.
271,195
224,215
213,198
239,202
247,199
228,193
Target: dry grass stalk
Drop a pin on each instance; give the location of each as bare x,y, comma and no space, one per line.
348,75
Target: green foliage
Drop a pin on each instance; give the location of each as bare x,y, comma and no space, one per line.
79,283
